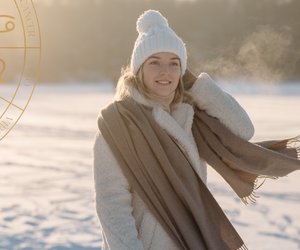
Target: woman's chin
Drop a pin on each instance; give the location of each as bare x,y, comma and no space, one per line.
164,94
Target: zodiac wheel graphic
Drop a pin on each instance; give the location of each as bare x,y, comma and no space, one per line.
20,53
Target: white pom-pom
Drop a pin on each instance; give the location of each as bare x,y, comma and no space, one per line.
149,19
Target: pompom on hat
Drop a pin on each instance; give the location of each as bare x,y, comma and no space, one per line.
155,36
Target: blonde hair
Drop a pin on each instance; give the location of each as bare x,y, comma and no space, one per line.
129,80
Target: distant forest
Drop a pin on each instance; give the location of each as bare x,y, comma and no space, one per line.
91,40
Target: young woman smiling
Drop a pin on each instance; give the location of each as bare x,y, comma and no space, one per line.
154,141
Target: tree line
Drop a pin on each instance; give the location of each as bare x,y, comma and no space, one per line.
92,40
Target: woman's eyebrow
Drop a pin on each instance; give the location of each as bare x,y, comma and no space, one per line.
154,57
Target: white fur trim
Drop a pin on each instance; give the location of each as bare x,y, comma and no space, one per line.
184,138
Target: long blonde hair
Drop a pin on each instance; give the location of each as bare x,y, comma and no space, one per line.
129,80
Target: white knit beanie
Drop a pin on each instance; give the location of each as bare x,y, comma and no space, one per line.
155,36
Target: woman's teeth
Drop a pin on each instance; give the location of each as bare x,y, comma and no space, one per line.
163,82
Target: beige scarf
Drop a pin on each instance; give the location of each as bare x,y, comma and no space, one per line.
163,177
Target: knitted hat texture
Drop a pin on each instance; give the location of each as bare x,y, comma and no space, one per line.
155,36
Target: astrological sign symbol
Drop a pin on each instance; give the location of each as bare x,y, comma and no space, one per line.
9,25
4,125
2,68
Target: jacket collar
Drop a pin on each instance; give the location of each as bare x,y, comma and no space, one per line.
181,113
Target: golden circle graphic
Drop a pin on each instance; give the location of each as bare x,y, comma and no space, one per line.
20,54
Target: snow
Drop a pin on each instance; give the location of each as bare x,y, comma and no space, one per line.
46,180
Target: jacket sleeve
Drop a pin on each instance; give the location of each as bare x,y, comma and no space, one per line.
217,103
113,200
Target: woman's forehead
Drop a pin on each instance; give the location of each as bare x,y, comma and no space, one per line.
164,55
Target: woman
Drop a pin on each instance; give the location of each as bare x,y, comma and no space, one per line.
149,171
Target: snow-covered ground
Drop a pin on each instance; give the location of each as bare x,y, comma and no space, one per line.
46,181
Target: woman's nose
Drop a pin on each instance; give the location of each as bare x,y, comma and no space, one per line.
164,69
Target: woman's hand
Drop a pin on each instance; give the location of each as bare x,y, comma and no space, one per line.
188,79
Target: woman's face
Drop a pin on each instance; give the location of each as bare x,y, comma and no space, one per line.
161,74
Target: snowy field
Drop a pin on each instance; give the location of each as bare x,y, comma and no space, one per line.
46,181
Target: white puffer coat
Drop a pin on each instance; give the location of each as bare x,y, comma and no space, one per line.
126,221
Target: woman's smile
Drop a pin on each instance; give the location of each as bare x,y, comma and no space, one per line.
164,82
161,74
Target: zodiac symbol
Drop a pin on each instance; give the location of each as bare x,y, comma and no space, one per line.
9,25
5,124
23,21
2,68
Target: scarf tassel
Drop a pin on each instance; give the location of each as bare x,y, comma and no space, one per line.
289,143
243,247
295,144
298,152
251,199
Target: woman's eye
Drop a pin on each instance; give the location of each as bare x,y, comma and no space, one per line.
176,64
154,63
